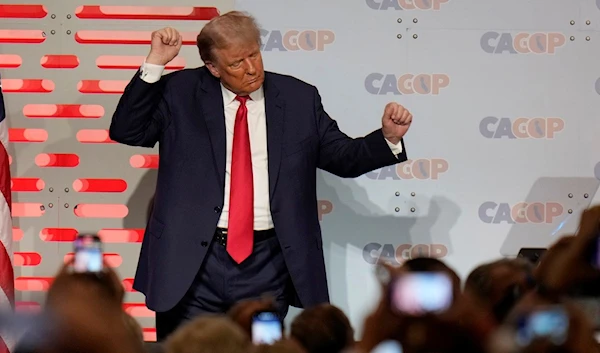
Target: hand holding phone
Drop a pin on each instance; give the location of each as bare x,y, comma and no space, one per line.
572,261
549,323
267,328
88,254
420,293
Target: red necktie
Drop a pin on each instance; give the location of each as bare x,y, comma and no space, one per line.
240,232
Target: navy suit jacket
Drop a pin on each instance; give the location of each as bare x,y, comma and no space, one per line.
184,113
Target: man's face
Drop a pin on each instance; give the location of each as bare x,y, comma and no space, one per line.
239,67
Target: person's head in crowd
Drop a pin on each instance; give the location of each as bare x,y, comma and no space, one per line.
134,327
84,313
243,311
539,324
500,284
209,334
283,346
323,329
430,264
106,281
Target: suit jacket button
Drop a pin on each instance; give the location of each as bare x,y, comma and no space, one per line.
217,209
204,243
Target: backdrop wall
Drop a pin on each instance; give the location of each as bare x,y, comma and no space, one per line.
503,149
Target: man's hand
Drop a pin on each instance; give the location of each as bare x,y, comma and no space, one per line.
395,122
383,324
165,46
567,263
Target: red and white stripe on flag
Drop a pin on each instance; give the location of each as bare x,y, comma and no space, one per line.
7,282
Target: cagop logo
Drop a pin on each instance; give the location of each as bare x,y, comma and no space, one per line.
523,212
295,40
522,42
434,5
520,128
420,169
382,84
324,207
375,252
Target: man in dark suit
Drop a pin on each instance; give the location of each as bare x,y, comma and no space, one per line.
235,209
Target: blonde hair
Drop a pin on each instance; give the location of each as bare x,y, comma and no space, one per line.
222,31
134,326
285,346
209,334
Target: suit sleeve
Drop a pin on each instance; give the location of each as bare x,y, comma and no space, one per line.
349,157
142,113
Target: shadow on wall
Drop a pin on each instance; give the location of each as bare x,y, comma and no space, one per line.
355,222
141,200
551,209
140,204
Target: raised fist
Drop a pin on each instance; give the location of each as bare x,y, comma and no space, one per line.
165,46
395,122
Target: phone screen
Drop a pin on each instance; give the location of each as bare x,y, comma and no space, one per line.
419,293
88,254
551,324
266,328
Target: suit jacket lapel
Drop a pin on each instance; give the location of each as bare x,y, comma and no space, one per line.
211,105
274,108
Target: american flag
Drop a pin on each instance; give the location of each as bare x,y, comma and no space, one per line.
7,286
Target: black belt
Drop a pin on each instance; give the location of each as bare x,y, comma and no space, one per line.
259,235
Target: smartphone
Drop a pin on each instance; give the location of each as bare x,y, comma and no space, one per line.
532,254
267,328
88,254
420,293
550,323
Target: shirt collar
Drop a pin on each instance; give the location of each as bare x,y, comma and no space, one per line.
229,97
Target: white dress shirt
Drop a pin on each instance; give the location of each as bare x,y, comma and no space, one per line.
257,128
